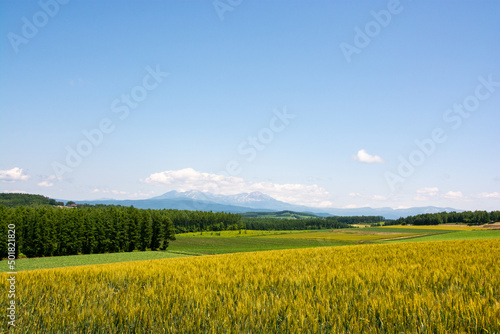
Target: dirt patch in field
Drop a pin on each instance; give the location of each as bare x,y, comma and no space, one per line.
495,226
405,237
377,233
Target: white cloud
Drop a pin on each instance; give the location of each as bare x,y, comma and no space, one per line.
378,197
432,193
310,195
14,174
420,198
118,192
352,206
108,191
364,156
141,194
489,195
453,195
45,184
424,194
371,197
190,179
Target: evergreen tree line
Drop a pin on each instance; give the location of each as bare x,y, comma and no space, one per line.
198,221
53,231
359,219
466,217
12,200
293,224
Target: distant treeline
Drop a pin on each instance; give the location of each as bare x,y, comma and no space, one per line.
13,200
360,219
197,221
292,224
52,231
285,214
467,217
308,223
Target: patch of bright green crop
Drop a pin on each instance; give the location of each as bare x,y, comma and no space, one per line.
221,245
459,235
235,233
86,259
447,227
342,236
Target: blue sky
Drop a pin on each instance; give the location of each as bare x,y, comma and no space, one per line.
319,103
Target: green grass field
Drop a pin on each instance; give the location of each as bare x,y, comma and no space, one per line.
346,235
222,245
237,233
80,260
442,227
207,243
459,235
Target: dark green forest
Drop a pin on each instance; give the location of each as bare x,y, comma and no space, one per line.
54,231
466,217
292,224
12,200
308,223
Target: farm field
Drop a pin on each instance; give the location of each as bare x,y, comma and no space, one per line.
209,243
442,227
446,286
459,235
222,245
238,233
204,243
346,235
188,244
86,259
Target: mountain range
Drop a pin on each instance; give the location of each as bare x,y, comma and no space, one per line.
254,202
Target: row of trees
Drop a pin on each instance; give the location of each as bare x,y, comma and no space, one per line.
12,200
466,217
197,221
360,219
51,231
293,224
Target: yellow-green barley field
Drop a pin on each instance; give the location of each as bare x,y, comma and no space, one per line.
428,287
448,227
344,235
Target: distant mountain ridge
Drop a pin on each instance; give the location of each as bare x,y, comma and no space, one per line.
255,202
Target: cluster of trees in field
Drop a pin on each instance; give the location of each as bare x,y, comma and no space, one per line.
466,217
51,231
12,200
293,224
369,220
197,221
